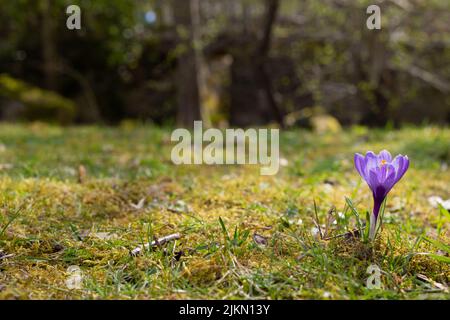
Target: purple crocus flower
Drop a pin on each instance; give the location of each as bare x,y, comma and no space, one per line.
381,173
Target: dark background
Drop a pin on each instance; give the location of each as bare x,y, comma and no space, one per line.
230,63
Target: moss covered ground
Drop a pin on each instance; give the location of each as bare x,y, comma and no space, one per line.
85,197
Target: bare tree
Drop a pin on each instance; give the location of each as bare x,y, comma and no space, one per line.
48,45
271,14
189,73
252,97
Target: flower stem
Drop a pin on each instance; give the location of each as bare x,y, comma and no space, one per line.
373,226
374,217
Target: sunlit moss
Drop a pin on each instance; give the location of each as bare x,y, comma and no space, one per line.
95,224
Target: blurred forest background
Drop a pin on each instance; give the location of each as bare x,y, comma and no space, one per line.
228,62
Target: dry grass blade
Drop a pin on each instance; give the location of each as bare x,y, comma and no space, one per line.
435,284
316,220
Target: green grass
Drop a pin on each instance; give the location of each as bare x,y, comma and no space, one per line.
49,220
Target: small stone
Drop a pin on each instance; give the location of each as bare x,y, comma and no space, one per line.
75,279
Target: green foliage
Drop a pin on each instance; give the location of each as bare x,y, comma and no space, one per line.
431,147
363,226
445,248
238,238
39,104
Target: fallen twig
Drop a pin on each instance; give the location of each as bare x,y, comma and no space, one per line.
6,256
156,243
355,233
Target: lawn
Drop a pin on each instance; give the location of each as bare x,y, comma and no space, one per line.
86,197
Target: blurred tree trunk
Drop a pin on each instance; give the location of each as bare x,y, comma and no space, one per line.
189,80
271,14
164,12
49,55
252,97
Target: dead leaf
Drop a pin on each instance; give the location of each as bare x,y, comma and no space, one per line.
259,239
139,205
179,207
104,235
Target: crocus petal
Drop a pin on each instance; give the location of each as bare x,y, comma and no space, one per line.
404,168
381,173
372,180
401,164
391,178
377,201
371,161
360,164
397,162
380,193
385,155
